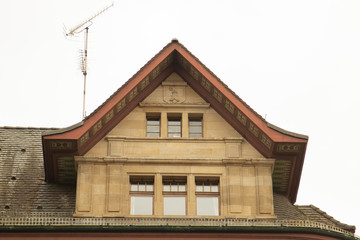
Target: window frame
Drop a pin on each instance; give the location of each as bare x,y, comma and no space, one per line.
174,118
204,182
195,118
147,180
153,117
175,180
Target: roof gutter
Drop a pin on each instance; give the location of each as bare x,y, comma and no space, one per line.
177,229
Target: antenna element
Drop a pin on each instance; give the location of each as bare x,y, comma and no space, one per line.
84,26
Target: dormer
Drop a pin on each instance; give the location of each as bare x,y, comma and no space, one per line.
175,141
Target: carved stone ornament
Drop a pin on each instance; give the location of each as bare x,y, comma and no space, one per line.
174,94
174,90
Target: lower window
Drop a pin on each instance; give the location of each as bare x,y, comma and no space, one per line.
207,196
174,205
174,192
207,206
141,195
141,205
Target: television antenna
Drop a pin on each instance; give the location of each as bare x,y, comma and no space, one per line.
84,27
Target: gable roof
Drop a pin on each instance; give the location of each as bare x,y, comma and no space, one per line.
271,141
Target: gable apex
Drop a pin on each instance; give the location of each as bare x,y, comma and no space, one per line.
174,57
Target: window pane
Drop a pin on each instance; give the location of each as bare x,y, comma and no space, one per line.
207,206
182,188
206,188
174,206
134,187
141,205
174,135
199,188
167,188
195,129
174,187
153,134
142,187
215,188
153,129
174,122
174,129
153,121
195,135
149,187
193,122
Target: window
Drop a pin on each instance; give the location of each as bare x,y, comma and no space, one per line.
174,191
207,196
153,125
141,195
174,125
195,126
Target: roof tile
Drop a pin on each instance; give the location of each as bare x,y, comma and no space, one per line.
22,185
315,214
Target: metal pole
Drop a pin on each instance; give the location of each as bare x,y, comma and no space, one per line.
85,67
79,28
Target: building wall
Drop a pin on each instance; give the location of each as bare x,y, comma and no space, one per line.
221,153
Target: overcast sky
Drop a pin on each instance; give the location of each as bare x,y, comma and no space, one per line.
297,63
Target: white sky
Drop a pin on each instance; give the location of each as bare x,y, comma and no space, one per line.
295,62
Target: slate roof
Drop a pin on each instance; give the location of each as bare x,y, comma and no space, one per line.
315,214
22,185
284,210
24,191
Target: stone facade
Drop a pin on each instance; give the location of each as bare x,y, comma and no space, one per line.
244,175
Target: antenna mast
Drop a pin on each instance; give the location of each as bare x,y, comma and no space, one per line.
84,26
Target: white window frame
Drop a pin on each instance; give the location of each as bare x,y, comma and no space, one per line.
141,187
207,188
175,187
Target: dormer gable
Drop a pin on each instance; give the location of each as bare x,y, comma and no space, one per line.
203,133
287,148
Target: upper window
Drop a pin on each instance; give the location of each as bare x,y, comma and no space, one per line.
141,195
153,125
174,125
195,126
207,196
174,191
